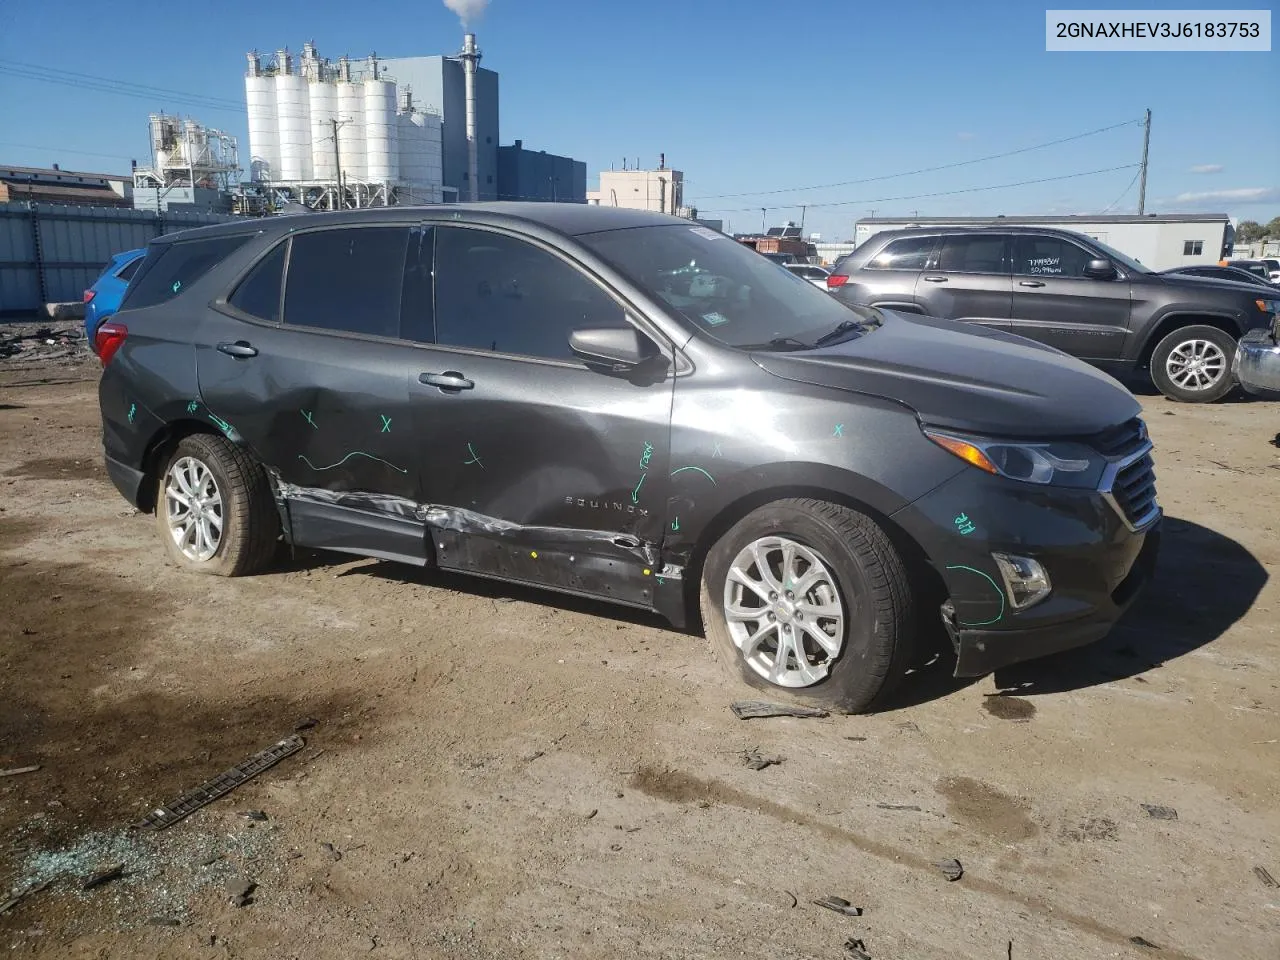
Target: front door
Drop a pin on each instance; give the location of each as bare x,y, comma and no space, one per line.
969,280
534,466
1055,303
321,395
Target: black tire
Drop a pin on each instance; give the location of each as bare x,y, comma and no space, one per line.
873,586
1218,389
251,525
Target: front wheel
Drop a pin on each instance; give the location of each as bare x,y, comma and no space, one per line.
1193,364
811,602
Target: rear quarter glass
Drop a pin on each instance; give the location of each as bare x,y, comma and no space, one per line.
175,267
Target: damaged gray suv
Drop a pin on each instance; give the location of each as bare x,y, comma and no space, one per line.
635,408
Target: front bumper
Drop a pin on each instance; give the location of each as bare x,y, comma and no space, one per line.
1096,561
1257,362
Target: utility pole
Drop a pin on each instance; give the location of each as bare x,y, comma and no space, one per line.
802,210
1142,187
337,167
763,213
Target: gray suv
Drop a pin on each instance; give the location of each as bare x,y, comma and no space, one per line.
1067,291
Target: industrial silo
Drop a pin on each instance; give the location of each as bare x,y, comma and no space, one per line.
264,146
323,97
351,147
380,131
420,152
293,112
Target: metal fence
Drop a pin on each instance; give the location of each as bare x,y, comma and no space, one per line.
50,253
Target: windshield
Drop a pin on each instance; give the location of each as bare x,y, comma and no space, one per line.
1130,264
726,290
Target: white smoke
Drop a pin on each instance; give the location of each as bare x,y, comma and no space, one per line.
468,11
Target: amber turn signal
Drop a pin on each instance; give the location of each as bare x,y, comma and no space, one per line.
964,450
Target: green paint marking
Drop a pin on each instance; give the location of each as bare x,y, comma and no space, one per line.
839,431
964,525
675,524
222,424
475,458
191,407
646,455
716,452
661,581
386,423
1000,593
635,494
133,409
307,415
699,469
353,453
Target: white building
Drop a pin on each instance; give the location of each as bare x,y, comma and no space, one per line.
1159,241
661,190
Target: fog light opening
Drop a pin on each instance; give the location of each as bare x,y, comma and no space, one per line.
1025,581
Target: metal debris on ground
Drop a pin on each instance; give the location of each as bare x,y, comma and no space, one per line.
795,901
104,874
257,816
17,898
1156,812
220,785
839,905
1143,942
857,949
163,922
17,770
898,806
951,869
1267,879
756,760
752,709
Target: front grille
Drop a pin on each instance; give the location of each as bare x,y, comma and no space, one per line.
1122,440
1134,492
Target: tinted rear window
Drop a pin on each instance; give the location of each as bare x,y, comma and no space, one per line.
177,266
129,270
905,253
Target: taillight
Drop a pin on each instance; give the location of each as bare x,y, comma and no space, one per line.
89,295
107,340
836,280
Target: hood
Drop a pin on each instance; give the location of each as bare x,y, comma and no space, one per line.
966,378
1199,284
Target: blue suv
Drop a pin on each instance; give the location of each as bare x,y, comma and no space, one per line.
103,298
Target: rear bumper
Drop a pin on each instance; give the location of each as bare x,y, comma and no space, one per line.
126,479
1257,362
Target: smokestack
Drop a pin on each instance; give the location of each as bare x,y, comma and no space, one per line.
470,61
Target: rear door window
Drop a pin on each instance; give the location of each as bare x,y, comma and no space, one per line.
347,279
1048,257
495,292
258,294
905,253
973,254
177,267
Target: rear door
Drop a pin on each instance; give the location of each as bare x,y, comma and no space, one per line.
968,280
316,384
536,467
888,279
1056,304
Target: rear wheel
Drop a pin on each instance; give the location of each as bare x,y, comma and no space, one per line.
214,510
1193,364
811,602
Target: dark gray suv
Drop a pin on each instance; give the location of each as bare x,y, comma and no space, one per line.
1067,291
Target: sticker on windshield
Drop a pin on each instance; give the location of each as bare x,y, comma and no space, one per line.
715,319
707,233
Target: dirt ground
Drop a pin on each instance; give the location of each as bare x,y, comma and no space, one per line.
506,773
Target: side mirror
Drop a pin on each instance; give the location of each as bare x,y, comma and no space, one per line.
620,348
1100,269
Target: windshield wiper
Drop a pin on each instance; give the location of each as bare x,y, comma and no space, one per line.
777,343
841,328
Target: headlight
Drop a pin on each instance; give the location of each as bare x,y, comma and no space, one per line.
1062,462
1269,306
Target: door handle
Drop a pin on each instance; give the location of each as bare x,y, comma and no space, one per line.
936,279
241,349
1031,283
449,380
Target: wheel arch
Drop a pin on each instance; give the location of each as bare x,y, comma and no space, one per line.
158,449
1168,324
913,554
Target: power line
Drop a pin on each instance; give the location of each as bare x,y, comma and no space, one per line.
922,196
40,73
1125,191
945,166
174,98
52,149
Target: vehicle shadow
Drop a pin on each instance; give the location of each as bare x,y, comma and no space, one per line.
1204,583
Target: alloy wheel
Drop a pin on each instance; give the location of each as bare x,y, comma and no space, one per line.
193,506
1196,364
784,611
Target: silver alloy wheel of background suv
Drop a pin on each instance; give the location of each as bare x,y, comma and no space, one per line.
193,507
784,611
1196,365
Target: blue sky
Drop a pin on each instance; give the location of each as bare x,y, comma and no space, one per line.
749,95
